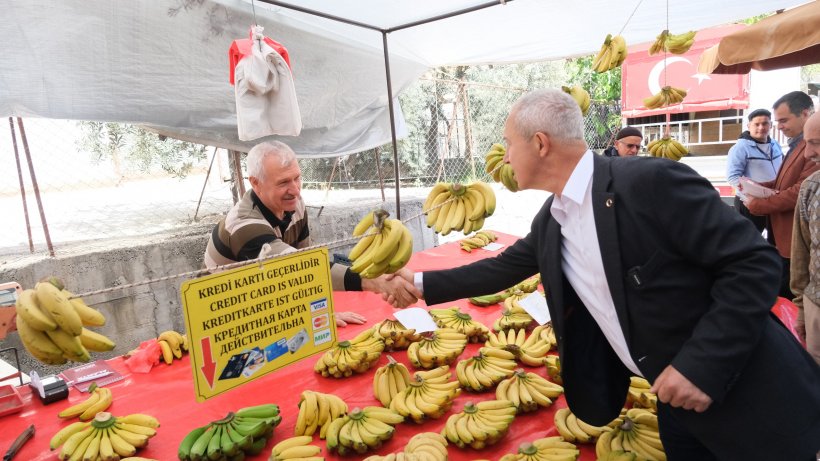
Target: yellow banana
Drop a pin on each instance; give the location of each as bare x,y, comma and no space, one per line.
101,404
71,345
174,341
167,354
94,341
364,224
54,301
26,307
88,315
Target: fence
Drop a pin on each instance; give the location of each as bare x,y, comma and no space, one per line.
100,183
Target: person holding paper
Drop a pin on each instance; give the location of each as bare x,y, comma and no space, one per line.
790,112
271,220
755,156
647,272
805,256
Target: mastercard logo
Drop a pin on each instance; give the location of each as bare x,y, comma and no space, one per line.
320,322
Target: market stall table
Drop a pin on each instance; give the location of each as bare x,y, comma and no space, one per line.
167,391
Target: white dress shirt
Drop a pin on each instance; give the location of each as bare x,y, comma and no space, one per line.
581,255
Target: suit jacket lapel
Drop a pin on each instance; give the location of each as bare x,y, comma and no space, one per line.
553,272
604,204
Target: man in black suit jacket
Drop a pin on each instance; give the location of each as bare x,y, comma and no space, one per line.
647,272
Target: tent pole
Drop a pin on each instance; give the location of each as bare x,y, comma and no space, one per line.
22,186
205,183
392,123
36,187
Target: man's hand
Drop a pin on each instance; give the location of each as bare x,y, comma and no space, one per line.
394,288
343,318
673,388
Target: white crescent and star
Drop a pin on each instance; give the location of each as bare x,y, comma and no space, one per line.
653,81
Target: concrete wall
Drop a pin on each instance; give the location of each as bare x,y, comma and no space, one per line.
139,313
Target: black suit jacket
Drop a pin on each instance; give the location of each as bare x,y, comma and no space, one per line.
693,284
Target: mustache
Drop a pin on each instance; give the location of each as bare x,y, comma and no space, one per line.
289,197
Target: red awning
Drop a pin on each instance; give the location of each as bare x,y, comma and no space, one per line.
644,75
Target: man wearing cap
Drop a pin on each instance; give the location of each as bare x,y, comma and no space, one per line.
755,156
627,143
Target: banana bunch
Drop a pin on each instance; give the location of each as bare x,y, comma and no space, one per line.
362,430
317,411
100,400
245,432
546,449
526,286
354,356
513,315
486,369
673,43
295,448
580,95
611,54
105,438
501,172
385,247
527,391
553,368
480,424
390,380
461,322
52,326
458,207
668,96
572,429
636,432
530,350
426,446
441,347
395,335
667,147
172,344
429,394
547,334
478,240
639,395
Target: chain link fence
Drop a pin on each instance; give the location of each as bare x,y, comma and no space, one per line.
100,182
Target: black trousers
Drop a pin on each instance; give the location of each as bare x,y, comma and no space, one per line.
758,221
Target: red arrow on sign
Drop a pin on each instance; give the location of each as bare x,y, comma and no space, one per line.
209,368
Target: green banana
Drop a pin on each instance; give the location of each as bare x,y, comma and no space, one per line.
265,411
214,450
489,300
200,446
184,451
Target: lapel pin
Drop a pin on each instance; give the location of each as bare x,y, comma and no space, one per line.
609,203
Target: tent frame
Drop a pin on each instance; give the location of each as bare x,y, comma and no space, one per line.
384,33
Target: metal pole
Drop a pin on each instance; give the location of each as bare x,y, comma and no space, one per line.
207,175
36,187
22,186
379,171
392,123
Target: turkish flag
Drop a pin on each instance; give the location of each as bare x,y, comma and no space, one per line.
643,75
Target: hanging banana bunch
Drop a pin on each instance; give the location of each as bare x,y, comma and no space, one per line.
611,54
385,248
667,147
501,172
675,44
580,95
668,96
459,207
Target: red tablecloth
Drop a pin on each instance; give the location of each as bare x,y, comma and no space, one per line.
167,392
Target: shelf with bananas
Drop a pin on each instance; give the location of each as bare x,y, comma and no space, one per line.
52,324
580,95
385,245
545,449
484,370
242,433
673,43
316,411
611,55
635,431
458,207
428,395
395,335
528,391
426,446
172,344
480,239
354,356
667,147
462,322
105,438
479,425
527,286
441,347
498,169
362,430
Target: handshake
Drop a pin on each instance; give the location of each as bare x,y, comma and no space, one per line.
397,288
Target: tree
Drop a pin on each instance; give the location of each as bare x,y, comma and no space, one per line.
132,147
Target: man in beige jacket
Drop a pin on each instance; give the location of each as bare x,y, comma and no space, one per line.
805,269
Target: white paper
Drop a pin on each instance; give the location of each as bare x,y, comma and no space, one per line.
494,246
416,318
536,305
753,189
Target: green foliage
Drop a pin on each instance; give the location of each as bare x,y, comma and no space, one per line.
604,86
139,149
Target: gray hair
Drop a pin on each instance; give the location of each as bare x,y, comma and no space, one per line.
258,153
552,112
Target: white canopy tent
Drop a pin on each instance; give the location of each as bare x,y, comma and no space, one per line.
164,63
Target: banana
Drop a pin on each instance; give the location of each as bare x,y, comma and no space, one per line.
78,409
167,354
28,309
184,450
63,434
100,405
71,345
580,95
52,300
88,315
139,419
174,340
612,54
38,343
403,252
391,235
362,245
94,341
364,224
